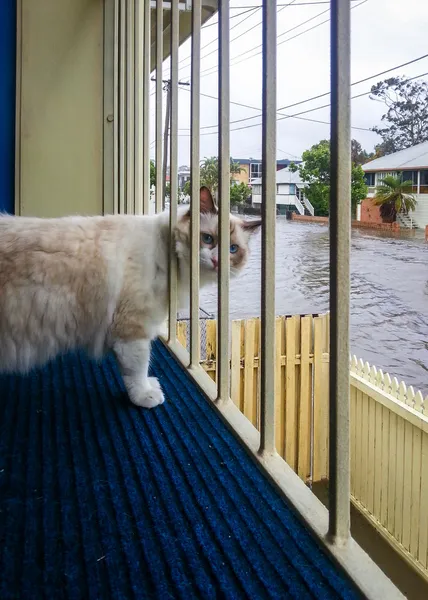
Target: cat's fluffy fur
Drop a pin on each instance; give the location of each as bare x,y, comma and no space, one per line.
99,283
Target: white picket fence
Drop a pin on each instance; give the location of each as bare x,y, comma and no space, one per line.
389,459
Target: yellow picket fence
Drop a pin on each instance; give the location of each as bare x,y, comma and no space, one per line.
302,344
389,423
389,459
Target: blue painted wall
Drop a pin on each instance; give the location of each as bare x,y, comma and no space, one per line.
7,104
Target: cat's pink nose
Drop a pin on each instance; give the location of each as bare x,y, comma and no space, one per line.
215,262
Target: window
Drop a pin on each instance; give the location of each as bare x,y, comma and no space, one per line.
257,189
369,179
292,189
424,182
410,176
255,170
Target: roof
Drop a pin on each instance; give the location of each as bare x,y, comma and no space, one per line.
415,157
284,176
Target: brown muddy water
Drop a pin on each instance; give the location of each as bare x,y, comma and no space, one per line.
389,292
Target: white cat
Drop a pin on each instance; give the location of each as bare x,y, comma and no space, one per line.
100,283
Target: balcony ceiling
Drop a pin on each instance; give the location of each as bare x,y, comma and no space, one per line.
209,8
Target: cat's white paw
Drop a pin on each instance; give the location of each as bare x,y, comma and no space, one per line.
149,396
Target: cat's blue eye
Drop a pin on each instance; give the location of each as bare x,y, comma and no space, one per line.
233,248
207,238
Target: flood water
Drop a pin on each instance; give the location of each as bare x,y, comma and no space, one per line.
389,292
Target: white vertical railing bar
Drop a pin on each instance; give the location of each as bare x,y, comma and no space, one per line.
223,200
146,109
122,107
195,182
340,224
173,170
267,390
140,51
159,61
130,108
116,109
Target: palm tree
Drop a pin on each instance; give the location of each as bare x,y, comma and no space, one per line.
394,196
210,172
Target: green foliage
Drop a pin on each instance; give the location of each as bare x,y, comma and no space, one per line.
406,120
239,193
358,155
393,196
180,198
209,175
315,172
187,188
152,173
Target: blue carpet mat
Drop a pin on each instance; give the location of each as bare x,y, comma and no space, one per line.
100,499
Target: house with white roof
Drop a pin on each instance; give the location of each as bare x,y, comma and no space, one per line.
412,165
290,193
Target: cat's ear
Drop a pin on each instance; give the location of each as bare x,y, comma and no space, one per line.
251,226
207,201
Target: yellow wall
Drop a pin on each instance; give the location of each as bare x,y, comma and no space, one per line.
243,176
60,108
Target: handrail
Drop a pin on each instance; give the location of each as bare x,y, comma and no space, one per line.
298,204
308,205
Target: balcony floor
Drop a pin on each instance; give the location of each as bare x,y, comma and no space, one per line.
100,499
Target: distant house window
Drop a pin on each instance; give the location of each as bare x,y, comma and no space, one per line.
257,189
255,170
369,179
292,191
423,189
410,176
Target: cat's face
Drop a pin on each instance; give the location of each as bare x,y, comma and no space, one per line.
240,234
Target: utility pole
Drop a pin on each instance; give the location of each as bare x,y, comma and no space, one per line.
167,89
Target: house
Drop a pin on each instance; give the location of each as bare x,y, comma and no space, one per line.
290,194
410,164
251,168
183,176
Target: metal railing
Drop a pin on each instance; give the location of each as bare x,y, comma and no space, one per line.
132,189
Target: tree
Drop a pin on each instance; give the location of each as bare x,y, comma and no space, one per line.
152,174
406,120
210,171
383,149
209,175
315,172
394,196
239,193
358,155
180,194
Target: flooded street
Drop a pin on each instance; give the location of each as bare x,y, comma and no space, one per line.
389,292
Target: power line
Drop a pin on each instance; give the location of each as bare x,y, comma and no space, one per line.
244,12
296,115
252,13
410,62
287,153
260,45
211,70
240,35
294,4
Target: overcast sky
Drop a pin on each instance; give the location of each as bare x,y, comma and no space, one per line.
385,33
